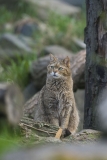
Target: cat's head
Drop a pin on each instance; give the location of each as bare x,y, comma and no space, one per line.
58,69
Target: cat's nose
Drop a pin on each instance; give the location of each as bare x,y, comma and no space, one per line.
55,71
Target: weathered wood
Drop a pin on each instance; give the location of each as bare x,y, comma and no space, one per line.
11,102
29,128
96,59
38,128
39,69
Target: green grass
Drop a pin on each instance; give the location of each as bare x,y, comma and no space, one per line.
63,24
8,142
9,139
64,28
17,71
6,15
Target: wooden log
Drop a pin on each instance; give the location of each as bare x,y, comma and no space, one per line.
38,128
29,128
11,102
39,69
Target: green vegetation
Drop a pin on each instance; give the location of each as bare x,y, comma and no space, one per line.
63,30
63,24
9,139
17,71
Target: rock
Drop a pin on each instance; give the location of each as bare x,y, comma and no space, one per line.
29,91
55,6
8,26
53,140
44,28
101,110
59,152
26,26
42,13
11,102
87,135
80,3
29,41
55,50
79,43
79,98
11,45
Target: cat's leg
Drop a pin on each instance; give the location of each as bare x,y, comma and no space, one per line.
59,133
73,121
54,121
65,114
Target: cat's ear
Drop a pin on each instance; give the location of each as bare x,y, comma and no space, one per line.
66,61
53,58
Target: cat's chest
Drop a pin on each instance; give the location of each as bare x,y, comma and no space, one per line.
53,100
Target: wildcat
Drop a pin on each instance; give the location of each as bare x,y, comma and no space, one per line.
56,103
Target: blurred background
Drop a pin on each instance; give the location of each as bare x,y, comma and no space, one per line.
30,30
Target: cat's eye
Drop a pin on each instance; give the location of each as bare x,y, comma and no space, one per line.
52,67
60,68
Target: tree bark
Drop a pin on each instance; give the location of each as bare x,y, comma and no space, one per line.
96,59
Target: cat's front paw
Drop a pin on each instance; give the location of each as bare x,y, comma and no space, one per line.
59,133
65,133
